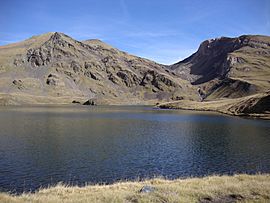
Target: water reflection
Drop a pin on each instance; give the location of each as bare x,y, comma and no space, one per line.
45,145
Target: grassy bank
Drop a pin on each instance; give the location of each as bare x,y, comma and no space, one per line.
255,106
238,188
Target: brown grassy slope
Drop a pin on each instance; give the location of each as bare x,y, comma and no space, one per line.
55,65
242,188
257,105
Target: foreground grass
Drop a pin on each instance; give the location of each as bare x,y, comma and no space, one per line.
238,188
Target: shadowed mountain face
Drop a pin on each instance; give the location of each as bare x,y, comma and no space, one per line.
229,67
55,66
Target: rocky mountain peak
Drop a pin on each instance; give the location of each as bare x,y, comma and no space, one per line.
60,65
218,47
228,64
60,39
57,46
225,45
56,37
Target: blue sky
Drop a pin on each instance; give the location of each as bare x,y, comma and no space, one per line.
162,30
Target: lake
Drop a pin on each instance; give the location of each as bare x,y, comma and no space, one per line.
41,146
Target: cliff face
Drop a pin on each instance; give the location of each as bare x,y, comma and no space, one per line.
55,65
228,67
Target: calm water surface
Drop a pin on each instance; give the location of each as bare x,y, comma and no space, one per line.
41,146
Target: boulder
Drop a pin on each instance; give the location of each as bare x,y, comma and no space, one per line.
18,84
91,74
147,189
75,102
75,66
52,80
90,102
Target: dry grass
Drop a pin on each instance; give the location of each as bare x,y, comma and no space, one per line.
242,188
226,106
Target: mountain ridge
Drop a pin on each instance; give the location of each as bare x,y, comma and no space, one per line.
54,68
91,69
224,62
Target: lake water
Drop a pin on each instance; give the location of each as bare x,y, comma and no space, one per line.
41,146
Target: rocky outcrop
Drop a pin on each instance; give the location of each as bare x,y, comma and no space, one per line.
212,60
91,75
38,57
128,78
75,66
75,102
157,80
53,80
90,102
238,64
18,83
258,104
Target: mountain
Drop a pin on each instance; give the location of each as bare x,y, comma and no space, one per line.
229,75
228,67
54,68
232,76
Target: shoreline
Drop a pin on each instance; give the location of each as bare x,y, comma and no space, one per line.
163,106
246,116
245,107
209,189
254,106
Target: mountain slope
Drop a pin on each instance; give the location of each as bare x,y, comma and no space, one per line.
54,68
228,67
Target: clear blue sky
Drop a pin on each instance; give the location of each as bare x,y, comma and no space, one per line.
163,30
